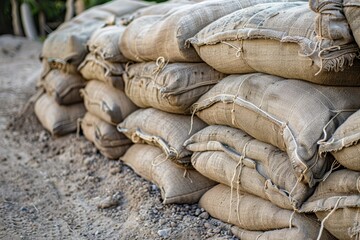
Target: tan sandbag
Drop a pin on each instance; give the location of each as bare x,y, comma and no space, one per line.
64,87
104,43
289,114
352,11
343,144
67,45
336,202
259,219
165,130
172,87
153,36
93,68
107,103
231,157
106,138
177,185
283,39
58,119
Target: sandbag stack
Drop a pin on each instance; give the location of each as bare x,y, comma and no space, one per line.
104,97
165,89
259,98
158,154
294,82
63,50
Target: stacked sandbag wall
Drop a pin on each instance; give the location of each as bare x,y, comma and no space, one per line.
260,96
282,122
60,107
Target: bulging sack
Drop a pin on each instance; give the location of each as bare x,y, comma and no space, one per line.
107,103
336,202
64,87
344,143
283,39
256,218
352,11
177,185
67,45
94,68
153,36
165,130
104,43
106,138
231,157
58,119
292,115
172,87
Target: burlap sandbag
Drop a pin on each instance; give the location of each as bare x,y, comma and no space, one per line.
107,103
231,157
289,114
283,39
177,185
336,202
64,87
106,138
172,87
165,130
343,144
58,119
93,68
150,37
258,218
67,45
104,43
352,11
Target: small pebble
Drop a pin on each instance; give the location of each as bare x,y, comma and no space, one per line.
164,232
108,202
204,215
197,212
207,225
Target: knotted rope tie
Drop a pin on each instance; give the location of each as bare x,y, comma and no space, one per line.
239,50
161,63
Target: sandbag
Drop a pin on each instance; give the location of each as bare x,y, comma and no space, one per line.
67,45
106,138
64,87
352,11
93,68
343,144
292,115
104,43
107,103
153,36
165,130
172,87
283,39
58,119
257,218
336,202
177,185
231,157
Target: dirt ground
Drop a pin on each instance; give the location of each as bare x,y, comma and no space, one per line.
62,188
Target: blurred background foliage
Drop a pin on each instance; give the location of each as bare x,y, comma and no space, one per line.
51,11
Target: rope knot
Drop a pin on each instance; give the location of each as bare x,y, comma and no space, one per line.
161,63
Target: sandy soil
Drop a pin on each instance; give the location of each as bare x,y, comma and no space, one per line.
62,188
